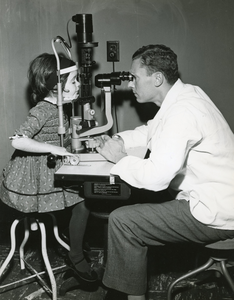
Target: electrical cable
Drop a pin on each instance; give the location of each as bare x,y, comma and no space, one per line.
115,106
68,35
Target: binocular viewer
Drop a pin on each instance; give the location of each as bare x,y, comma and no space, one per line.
114,78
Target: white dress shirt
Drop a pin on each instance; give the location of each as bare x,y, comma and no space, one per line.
192,152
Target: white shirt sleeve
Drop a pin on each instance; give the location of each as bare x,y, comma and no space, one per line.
169,140
135,138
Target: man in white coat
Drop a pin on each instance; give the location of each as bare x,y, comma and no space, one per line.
191,153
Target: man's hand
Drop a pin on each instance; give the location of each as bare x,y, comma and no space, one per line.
111,148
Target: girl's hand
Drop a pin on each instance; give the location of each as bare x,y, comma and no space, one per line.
61,151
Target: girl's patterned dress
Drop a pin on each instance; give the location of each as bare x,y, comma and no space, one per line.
28,180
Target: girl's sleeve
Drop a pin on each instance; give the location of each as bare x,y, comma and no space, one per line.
35,120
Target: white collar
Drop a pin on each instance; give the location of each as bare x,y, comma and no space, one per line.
52,100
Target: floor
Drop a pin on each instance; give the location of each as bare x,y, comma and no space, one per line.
165,264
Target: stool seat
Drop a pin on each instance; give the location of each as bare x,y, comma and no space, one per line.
33,222
222,245
101,215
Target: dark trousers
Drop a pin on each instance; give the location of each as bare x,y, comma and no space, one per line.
132,228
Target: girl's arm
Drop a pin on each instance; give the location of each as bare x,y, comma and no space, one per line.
30,145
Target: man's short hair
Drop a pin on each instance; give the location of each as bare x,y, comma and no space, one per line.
158,58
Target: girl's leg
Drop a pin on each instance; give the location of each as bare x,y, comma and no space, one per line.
77,229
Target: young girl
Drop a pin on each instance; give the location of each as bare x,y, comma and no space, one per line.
28,179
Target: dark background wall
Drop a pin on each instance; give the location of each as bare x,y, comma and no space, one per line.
199,31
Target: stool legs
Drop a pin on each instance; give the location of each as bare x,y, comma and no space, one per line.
55,229
210,265
21,248
105,243
13,246
189,274
227,275
46,261
35,225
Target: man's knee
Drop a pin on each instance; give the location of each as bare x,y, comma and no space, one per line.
120,216
116,215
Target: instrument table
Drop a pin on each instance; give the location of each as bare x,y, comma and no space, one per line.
94,179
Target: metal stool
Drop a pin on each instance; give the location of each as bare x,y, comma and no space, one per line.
103,216
218,261
34,222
